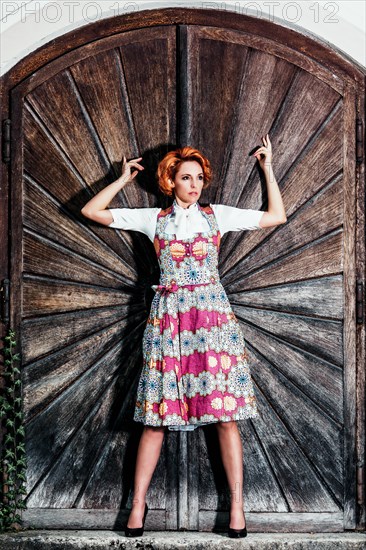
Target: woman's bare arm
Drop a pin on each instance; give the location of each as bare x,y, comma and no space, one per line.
275,215
96,209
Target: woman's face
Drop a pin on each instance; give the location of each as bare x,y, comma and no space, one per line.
188,183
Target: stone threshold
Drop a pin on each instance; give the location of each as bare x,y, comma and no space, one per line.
171,540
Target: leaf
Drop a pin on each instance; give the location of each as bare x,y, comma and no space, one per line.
21,476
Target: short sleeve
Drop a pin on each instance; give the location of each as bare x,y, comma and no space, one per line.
230,218
135,219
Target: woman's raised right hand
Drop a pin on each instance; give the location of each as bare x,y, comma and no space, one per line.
127,175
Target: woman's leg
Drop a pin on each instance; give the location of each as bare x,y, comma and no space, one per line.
147,458
232,458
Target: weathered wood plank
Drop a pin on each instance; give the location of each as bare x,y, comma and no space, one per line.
262,492
49,259
63,192
194,481
322,381
312,297
320,337
261,92
45,215
55,332
49,433
301,486
317,436
360,263
301,113
215,73
152,97
41,518
318,162
183,487
110,482
278,49
320,215
277,522
171,449
319,258
46,379
101,84
59,518
16,201
46,296
350,482
82,146
103,451
60,485
115,465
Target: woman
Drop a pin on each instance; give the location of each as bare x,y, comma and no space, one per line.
195,368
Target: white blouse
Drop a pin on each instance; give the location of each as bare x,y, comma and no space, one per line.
184,222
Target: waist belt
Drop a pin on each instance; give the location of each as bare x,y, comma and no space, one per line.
173,286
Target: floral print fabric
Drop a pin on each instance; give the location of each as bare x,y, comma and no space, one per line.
195,368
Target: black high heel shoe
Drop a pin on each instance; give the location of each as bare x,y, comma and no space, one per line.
237,533
137,531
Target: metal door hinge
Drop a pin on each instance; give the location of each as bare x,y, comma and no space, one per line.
6,138
359,302
360,485
359,141
5,300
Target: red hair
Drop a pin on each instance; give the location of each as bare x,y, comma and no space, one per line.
169,166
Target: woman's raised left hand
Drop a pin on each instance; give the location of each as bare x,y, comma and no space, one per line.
264,154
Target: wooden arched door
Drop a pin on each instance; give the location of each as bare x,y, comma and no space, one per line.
81,291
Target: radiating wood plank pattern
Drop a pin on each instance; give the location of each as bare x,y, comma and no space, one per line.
51,375
320,163
305,297
320,380
286,283
84,289
310,221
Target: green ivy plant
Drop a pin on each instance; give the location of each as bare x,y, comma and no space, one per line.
13,460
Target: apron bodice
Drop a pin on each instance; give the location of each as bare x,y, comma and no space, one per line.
189,261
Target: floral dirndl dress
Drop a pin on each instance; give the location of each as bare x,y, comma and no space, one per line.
195,369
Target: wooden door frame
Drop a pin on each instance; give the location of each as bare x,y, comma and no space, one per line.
312,55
